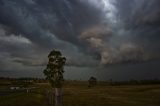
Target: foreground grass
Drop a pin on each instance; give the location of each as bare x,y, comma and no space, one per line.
78,94
21,99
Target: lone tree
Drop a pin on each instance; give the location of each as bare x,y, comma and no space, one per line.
54,73
92,81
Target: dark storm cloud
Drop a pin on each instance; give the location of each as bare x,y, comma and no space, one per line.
141,21
33,19
48,24
88,32
134,28
142,13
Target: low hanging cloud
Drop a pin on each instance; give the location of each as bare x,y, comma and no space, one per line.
98,39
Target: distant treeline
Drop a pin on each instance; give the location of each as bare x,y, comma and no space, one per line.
109,82
135,82
25,79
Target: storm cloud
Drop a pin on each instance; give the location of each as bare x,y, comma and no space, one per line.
90,33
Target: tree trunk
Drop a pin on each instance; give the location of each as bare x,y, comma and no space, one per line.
58,96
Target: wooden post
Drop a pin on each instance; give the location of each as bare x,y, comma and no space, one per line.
58,97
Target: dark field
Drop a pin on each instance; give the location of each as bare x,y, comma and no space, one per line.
78,94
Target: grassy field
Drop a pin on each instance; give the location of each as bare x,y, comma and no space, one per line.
78,94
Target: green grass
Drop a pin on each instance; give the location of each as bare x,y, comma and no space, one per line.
21,99
112,96
78,94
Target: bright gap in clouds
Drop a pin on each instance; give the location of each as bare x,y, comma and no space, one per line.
110,11
107,6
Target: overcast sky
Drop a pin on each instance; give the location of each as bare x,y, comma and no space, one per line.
108,39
